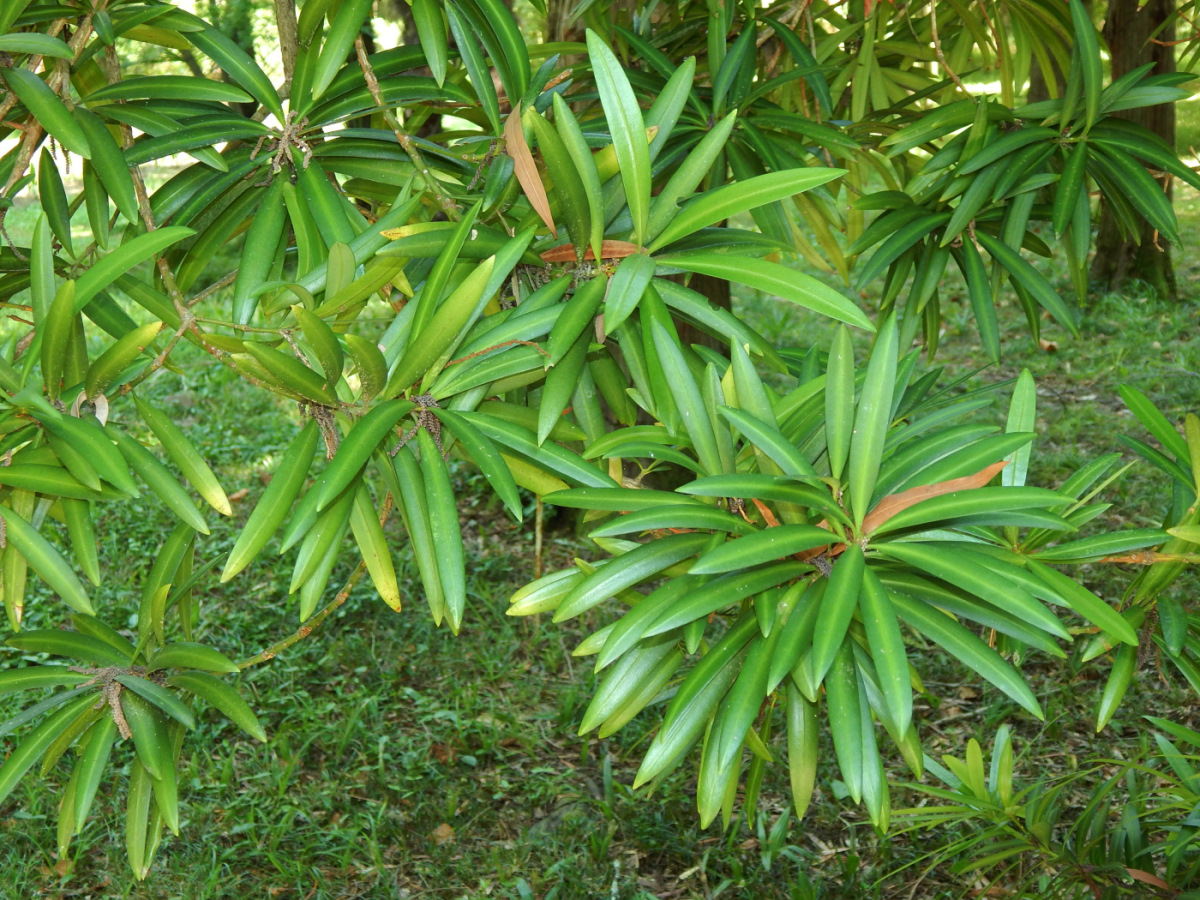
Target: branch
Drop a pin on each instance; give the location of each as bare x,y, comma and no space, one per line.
404,138
289,42
305,630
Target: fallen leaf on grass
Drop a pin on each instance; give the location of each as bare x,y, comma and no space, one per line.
443,834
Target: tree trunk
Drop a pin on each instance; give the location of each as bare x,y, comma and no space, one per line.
1120,258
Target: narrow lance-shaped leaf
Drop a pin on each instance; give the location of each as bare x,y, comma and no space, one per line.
720,204
839,401
628,130
873,419
775,279
47,109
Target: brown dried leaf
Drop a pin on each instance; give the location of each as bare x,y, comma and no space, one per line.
608,250
443,834
1147,878
525,168
238,495
1138,558
768,516
1048,346
894,503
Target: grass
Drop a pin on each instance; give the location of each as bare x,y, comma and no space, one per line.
403,762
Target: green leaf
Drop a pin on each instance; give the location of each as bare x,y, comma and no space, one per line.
1088,47
887,649
238,66
625,289
776,280
771,442
1095,548
45,560
35,45
1029,278
628,130
725,202
635,566
48,110
1119,679
767,545
1085,603
169,87
431,32
837,608
338,42
967,648
981,505
1154,421
686,393
724,591
873,420
126,257
682,515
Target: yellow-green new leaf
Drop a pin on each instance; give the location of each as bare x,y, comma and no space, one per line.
443,329
368,534
189,460
113,361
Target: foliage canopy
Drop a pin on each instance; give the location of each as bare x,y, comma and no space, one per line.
467,247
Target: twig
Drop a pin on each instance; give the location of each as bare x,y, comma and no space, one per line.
289,45
937,46
305,630
409,146
213,288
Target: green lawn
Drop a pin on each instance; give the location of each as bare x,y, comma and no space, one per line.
404,762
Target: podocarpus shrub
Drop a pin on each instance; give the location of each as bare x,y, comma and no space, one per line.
500,292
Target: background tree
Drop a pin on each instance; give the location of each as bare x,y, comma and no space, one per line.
1137,36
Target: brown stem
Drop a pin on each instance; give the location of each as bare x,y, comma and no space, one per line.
305,630
405,140
937,46
289,42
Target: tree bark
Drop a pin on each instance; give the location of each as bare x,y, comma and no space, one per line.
289,48
1121,258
